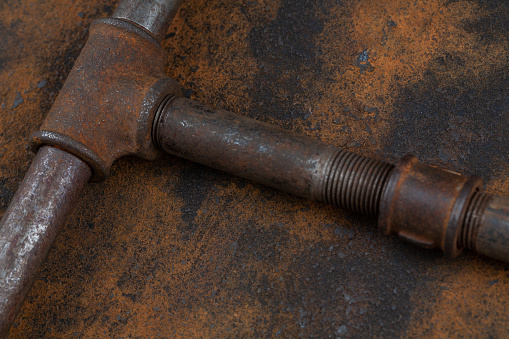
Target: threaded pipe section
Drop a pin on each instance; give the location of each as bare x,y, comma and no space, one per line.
166,102
473,218
355,182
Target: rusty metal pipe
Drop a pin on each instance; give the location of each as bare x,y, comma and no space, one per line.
154,16
270,155
106,110
426,205
51,187
35,216
488,226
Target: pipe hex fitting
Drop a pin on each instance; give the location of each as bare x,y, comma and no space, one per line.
429,206
107,105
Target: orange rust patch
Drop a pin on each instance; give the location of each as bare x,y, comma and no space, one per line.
372,50
470,303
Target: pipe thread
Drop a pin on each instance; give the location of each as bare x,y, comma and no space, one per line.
355,182
473,218
161,111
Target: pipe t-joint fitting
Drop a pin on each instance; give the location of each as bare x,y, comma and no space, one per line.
107,105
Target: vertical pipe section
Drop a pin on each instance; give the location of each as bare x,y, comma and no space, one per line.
35,216
154,16
270,155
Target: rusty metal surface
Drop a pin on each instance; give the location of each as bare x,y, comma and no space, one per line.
40,210
173,248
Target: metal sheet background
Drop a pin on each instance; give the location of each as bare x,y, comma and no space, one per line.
170,248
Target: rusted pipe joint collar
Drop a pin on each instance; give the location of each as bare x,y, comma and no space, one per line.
107,105
426,205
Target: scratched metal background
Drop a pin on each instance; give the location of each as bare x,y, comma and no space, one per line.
173,249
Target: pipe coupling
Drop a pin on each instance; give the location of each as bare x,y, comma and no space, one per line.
427,205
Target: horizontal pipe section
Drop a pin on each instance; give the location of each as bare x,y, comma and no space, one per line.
270,155
35,216
492,235
426,205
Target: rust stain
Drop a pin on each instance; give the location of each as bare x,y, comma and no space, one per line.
172,248
469,304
